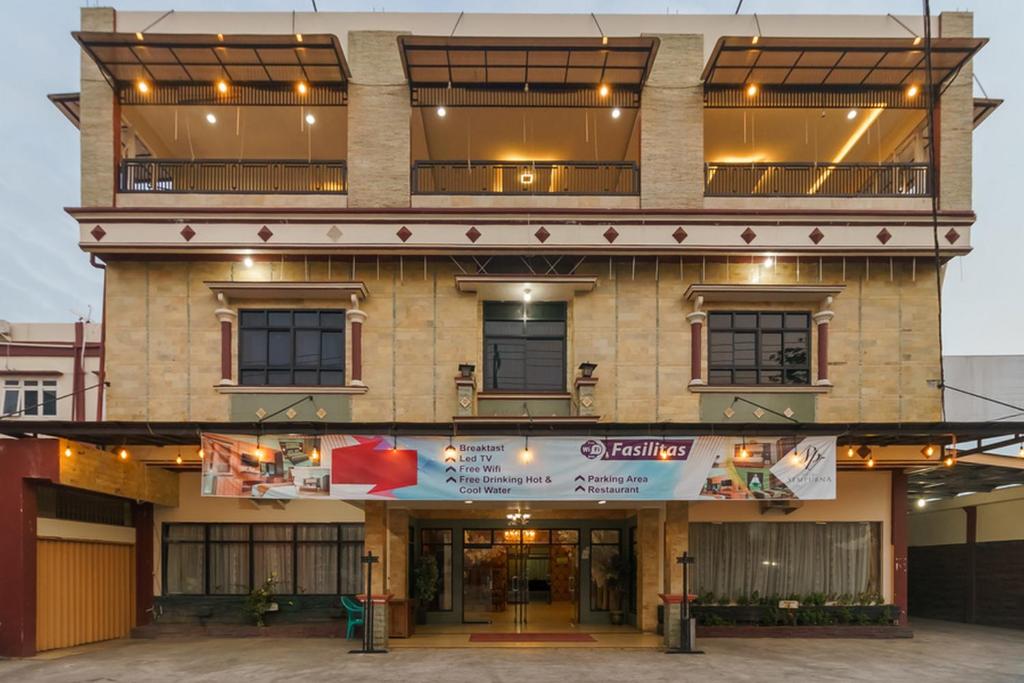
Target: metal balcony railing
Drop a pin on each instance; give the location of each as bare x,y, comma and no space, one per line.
222,176
509,178
805,179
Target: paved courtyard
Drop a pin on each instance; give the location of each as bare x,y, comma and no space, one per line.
939,652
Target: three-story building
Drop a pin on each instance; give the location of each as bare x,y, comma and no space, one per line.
549,299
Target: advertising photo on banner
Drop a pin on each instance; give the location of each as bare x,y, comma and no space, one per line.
554,468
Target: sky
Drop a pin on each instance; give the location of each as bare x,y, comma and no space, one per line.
47,278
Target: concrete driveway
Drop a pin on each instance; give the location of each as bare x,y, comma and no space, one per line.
938,652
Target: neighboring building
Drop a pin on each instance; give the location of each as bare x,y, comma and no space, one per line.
51,371
653,270
965,532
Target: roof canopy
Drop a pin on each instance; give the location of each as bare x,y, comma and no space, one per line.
200,58
468,61
842,62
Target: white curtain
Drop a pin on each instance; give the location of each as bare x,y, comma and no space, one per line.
736,559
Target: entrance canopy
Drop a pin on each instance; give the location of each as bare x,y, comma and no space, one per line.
845,62
205,58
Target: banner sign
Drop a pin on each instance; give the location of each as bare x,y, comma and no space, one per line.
433,468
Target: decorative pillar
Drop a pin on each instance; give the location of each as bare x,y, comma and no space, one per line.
696,320
648,576
586,386
465,390
898,525
142,513
226,316
356,318
822,319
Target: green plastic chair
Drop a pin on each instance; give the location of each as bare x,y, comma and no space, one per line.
354,611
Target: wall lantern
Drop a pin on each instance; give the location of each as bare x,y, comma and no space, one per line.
587,369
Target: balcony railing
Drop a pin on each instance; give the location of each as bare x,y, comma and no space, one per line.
505,178
816,180
221,176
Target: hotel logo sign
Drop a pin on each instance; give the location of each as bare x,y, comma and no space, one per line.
636,449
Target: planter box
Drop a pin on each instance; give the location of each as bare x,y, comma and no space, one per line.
756,615
841,631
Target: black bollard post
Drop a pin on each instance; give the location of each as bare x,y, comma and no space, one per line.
368,645
685,643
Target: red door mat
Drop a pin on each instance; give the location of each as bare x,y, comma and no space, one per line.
531,638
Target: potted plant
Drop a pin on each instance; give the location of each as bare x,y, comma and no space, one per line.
261,600
425,578
616,573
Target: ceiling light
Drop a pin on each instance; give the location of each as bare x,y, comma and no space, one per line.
753,41
67,452
949,460
220,36
871,461
527,295
616,113
849,452
222,86
138,35
526,456
663,452
603,90
302,88
298,37
928,451
526,178
259,453
201,453
1020,453
442,112
769,262
310,119
917,40
247,261
123,454
752,90
178,459
468,502
142,87
912,90
852,114
921,502
602,502
604,40
210,118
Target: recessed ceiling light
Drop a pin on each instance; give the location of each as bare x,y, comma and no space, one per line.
616,113
769,262
921,502
442,112
468,502
247,261
310,119
210,118
852,114
601,502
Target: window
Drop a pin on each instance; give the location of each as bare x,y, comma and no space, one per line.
784,558
752,348
33,397
438,543
291,348
232,559
607,579
524,346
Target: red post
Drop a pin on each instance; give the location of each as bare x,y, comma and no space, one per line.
225,351
143,515
356,317
823,318
26,462
899,542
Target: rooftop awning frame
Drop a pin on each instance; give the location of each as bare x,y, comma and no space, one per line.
184,68
526,72
840,63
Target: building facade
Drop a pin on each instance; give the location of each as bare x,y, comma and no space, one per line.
459,227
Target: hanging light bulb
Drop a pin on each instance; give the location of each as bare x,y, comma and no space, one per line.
178,459
928,451
301,87
849,452
259,453
921,502
442,112
67,452
222,86
871,461
752,90
123,453
950,459
795,457
603,90
663,451
298,37
912,90
526,456
142,86
744,453
450,451
527,295
201,453
314,455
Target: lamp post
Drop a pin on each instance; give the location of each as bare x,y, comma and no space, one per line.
368,625
685,642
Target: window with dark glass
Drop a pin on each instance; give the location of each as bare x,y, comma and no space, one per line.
524,346
291,347
759,348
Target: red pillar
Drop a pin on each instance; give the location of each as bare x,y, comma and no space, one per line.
696,320
899,542
143,515
356,319
225,351
26,463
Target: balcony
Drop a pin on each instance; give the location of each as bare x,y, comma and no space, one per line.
808,179
223,176
526,178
